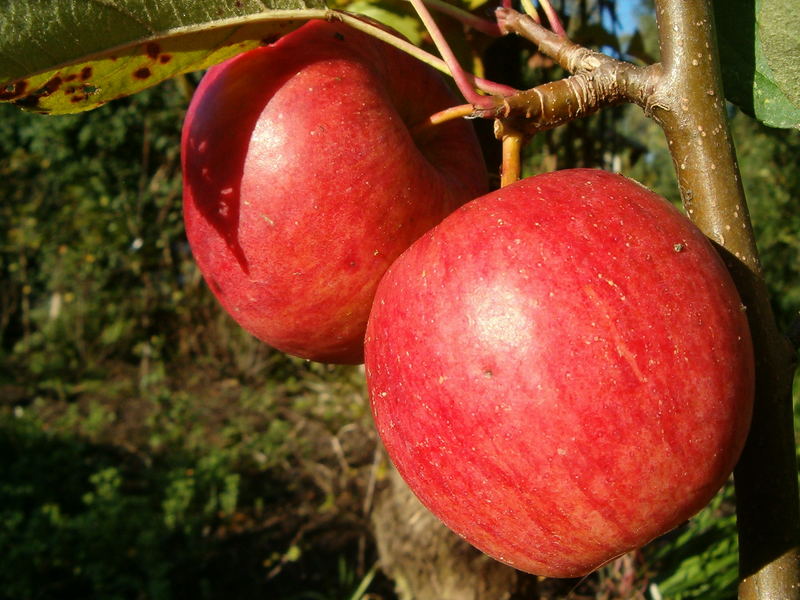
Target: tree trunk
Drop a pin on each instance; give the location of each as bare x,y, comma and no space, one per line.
427,561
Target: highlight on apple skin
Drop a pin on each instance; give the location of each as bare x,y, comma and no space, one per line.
303,181
561,370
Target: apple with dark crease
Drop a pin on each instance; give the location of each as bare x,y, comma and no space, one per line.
303,181
561,370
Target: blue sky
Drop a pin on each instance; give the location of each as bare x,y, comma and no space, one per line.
626,13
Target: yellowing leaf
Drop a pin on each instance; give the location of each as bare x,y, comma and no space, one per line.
66,56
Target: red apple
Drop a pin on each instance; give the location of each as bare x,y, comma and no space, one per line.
561,370
303,181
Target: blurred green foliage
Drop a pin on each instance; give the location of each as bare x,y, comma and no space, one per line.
700,560
90,256
768,160
150,448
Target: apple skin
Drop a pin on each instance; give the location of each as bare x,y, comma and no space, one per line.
303,182
561,370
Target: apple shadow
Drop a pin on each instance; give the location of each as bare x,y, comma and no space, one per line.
217,134
765,476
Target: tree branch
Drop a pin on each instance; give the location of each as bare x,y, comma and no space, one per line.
690,108
599,81
573,57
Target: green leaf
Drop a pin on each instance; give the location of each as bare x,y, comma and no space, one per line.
779,27
398,16
66,56
749,81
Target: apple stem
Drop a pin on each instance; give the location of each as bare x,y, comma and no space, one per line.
513,140
448,114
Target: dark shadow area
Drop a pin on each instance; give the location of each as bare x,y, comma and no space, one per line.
736,27
87,520
766,474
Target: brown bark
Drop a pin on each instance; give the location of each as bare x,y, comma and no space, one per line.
598,81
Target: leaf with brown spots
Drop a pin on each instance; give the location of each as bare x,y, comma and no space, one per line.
66,56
